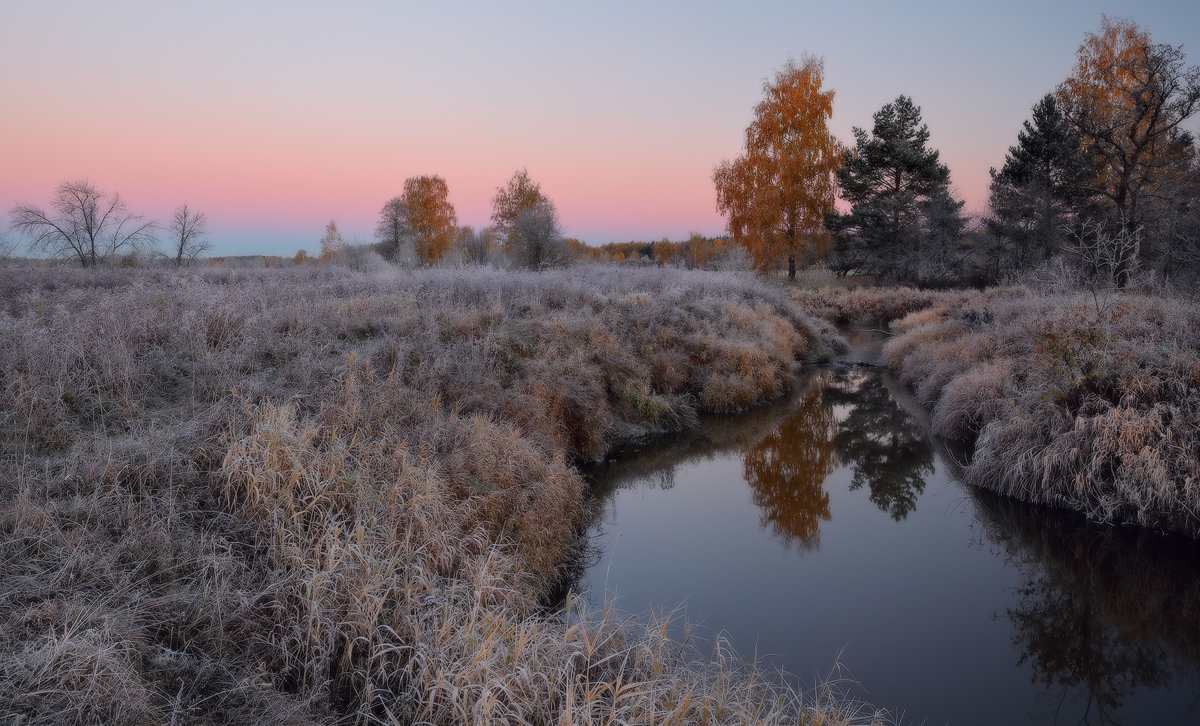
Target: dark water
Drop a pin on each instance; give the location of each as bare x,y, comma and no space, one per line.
831,527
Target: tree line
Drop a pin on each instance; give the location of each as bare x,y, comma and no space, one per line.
418,227
1103,177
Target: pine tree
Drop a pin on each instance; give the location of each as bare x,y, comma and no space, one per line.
943,227
1041,188
886,177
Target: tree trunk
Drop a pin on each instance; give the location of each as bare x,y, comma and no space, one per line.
791,267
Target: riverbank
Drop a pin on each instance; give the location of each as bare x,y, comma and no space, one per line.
1071,399
295,496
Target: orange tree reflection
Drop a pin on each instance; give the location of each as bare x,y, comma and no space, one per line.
786,471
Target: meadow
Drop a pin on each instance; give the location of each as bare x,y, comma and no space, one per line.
312,494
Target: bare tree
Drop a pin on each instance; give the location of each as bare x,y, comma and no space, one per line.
1101,253
7,246
186,231
84,223
535,240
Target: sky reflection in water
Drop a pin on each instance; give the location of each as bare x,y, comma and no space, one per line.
949,605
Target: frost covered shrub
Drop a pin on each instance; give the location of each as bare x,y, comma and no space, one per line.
362,258
1070,402
311,494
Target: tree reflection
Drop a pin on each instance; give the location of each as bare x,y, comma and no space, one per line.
786,471
1104,612
884,443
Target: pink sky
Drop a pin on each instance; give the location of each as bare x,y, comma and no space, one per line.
275,119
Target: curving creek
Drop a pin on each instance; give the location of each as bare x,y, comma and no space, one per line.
830,527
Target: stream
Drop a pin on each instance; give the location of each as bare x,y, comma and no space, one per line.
831,527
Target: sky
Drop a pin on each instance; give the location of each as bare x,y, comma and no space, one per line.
275,117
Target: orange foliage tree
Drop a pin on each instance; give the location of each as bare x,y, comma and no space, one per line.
777,193
519,194
430,216
786,471
1128,97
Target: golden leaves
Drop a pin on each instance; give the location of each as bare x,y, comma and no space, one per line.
777,193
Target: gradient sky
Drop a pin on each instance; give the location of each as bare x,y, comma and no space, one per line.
276,117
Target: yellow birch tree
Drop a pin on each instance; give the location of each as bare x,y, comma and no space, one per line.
777,193
430,215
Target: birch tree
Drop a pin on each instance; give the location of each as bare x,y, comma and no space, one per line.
777,194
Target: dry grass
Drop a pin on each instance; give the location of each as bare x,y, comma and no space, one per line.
869,305
1088,404
291,496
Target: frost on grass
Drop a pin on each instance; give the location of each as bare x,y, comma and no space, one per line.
1072,400
290,496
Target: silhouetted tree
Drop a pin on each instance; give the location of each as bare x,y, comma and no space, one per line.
394,232
535,240
1128,98
7,245
84,223
186,232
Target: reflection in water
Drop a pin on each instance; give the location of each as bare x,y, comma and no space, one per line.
786,471
842,418
1089,624
1104,612
884,444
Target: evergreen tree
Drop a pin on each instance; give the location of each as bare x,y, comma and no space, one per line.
1041,188
886,178
943,227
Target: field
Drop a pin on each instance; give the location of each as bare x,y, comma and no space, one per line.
313,495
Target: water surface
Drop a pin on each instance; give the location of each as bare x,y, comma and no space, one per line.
830,527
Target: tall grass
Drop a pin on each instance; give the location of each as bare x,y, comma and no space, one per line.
313,495
1071,400
869,305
